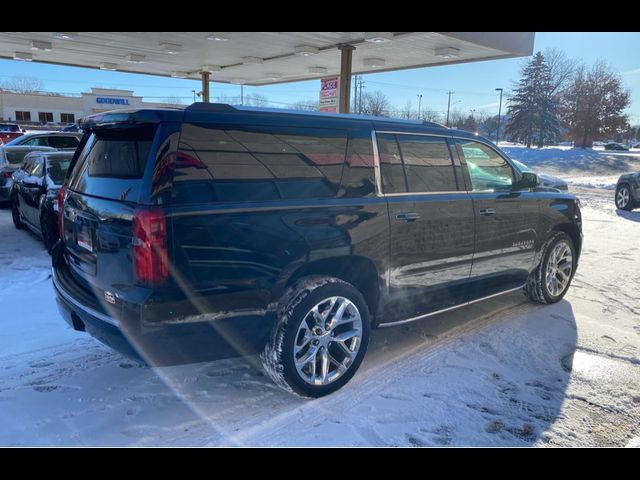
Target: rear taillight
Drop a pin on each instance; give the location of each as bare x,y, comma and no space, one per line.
150,258
60,205
7,174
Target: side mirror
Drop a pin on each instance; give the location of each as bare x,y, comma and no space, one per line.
528,180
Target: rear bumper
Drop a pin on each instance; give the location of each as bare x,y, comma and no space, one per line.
164,344
104,328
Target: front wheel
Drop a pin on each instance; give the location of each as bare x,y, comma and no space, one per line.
320,337
549,282
623,197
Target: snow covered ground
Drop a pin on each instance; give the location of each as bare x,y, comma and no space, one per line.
504,372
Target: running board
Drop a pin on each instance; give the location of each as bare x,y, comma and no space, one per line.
413,319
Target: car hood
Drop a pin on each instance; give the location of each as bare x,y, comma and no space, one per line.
550,180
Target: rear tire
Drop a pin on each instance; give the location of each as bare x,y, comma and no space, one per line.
15,213
320,337
623,199
549,282
49,236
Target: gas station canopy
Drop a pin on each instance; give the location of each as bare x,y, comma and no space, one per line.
260,58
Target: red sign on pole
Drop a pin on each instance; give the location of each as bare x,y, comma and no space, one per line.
329,93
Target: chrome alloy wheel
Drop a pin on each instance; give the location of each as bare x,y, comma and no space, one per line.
327,341
559,269
622,197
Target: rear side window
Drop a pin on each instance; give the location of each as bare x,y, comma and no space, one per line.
113,162
415,164
63,142
57,169
257,164
358,177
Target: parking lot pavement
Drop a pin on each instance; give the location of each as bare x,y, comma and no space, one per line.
503,372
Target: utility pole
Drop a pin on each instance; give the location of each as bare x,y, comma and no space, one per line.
419,104
242,94
499,116
194,96
355,93
449,106
361,84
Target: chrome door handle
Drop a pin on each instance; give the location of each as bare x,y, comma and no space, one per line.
487,211
407,217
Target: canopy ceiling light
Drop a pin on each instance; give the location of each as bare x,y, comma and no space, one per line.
306,50
44,46
108,66
179,74
378,37
373,62
217,37
65,35
171,48
447,52
135,58
320,70
24,56
252,60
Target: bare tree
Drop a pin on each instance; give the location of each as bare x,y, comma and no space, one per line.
594,105
23,84
375,103
430,115
256,100
307,105
561,70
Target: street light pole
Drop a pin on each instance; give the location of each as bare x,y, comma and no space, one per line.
194,96
419,104
449,106
499,116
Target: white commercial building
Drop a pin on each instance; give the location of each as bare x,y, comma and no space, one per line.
53,108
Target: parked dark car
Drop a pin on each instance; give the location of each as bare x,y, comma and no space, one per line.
235,230
12,154
11,158
546,180
9,131
628,191
34,199
616,146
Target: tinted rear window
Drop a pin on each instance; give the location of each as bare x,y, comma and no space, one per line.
112,163
57,168
8,128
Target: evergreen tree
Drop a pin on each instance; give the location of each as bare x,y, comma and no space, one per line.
533,108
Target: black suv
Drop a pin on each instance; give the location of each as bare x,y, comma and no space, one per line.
236,230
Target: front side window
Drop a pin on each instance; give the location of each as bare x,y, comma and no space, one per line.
487,169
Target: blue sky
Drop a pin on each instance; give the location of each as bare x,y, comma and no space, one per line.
474,83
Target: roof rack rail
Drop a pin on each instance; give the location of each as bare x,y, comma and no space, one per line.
433,124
